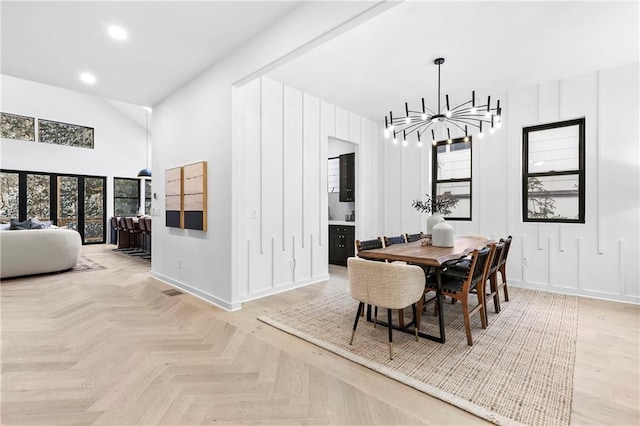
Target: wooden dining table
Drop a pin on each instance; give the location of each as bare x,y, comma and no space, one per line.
426,256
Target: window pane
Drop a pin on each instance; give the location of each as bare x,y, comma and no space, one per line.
65,134
17,127
9,193
93,210
333,175
456,162
554,150
68,202
38,197
126,198
461,191
553,197
147,196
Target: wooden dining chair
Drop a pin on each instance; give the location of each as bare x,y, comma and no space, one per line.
413,237
387,285
389,241
461,287
502,268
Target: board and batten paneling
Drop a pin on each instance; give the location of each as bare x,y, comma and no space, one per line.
283,222
598,258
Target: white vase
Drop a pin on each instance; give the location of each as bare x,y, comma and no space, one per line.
432,220
442,235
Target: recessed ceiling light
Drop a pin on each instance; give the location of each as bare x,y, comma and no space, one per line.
87,78
117,33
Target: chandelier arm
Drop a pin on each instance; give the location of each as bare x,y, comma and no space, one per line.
472,117
458,106
471,123
455,124
410,127
425,129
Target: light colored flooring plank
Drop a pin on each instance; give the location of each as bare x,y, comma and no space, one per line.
108,347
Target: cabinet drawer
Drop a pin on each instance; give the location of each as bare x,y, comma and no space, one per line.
342,229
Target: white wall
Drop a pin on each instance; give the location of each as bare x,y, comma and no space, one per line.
196,124
598,258
285,138
119,132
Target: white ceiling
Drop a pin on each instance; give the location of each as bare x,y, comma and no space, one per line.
489,47
169,43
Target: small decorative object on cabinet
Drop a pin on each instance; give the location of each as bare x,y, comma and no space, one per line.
347,178
341,244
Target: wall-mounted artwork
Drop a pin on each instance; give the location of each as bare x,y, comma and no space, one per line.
65,134
195,196
18,127
173,198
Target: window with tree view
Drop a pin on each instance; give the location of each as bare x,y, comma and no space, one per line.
451,176
553,181
126,196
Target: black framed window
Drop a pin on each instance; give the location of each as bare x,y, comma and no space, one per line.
452,174
553,172
69,201
126,196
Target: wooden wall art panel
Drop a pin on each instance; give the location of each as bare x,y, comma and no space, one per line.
173,197
195,196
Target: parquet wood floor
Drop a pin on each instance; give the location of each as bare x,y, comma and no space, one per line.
109,347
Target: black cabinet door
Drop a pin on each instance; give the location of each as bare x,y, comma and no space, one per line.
347,178
341,244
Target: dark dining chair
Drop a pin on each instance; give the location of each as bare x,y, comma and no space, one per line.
502,268
413,237
389,241
461,287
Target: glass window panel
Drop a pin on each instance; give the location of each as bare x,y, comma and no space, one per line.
68,202
9,196
38,197
455,163
554,150
17,127
65,134
553,197
126,198
147,196
333,175
93,210
461,191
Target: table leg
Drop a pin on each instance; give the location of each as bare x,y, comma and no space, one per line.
440,305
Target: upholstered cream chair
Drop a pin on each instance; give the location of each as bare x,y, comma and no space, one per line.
387,285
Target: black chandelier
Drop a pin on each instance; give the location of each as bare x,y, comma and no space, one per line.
458,118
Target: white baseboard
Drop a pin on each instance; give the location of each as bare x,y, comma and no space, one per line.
223,304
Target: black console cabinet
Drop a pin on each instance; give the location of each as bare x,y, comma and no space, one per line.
341,244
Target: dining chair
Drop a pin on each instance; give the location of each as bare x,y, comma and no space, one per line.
368,245
413,237
502,268
460,287
387,285
461,269
389,241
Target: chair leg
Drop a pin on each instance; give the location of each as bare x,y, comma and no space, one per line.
503,272
482,303
401,318
375,317
355,323
390,334
467,322
493,282
415,321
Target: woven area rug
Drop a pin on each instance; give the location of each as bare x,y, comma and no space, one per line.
85,265
519,369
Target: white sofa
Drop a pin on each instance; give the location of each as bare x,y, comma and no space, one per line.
37,251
